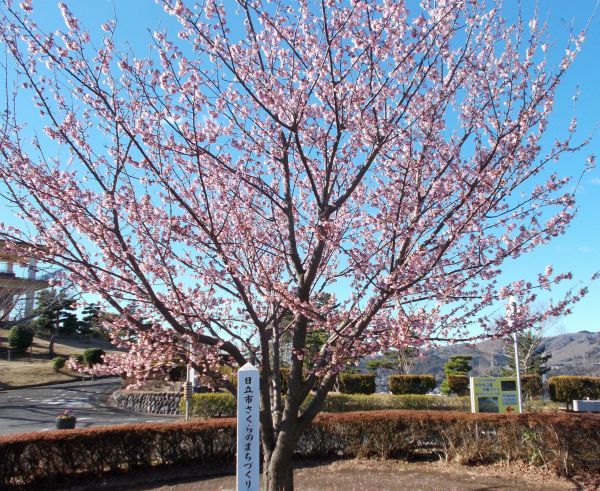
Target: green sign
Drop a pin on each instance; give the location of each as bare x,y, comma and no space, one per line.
494,395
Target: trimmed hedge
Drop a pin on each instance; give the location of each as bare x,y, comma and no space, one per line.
531,385
54,458
566,444
222,404
411,384
20,337
356,383
458,384
93,356
211,405
342,403
566,388
58,363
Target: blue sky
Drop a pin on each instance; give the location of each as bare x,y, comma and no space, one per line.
579,250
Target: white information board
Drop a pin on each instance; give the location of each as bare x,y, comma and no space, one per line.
248,436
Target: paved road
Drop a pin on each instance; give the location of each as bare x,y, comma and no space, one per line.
35,409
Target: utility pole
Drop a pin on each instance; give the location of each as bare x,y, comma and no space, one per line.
512,312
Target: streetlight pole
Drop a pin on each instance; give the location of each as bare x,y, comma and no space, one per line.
512,311
188,387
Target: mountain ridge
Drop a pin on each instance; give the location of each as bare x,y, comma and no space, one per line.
572,354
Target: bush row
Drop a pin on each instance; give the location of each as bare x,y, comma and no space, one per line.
562,389
422,384
567,444
411,384
340,403
55,458
221,404
564,443
356,383
565,388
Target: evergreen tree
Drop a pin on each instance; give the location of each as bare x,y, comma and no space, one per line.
47,312
91,318
69,323
54,312
456,365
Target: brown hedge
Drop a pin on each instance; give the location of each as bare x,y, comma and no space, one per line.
568,444
44,460
411,384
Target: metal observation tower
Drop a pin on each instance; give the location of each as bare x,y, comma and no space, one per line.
19,280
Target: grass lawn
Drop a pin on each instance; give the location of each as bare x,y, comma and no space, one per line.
34,367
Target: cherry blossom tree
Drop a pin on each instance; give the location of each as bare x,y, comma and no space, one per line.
270,152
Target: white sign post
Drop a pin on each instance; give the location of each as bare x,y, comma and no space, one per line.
512,311
248,437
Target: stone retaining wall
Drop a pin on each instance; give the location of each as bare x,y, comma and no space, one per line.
147,402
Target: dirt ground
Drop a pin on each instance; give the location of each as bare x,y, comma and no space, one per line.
34,367
365,475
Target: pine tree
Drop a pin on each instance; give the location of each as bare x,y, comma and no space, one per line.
54,312
91,318
456,365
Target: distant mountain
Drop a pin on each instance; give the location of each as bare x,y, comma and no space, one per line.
572,354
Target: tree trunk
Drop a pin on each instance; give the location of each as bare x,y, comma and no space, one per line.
51,346
52,336
277,467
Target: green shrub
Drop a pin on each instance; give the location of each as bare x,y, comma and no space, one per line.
357,383
20,337
93,356
222,404
341,403
411,384
458,384
531,386
215,405
58,363
565,388
79,359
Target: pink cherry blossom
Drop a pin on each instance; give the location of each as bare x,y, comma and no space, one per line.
358,170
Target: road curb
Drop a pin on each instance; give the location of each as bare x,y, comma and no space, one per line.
59,382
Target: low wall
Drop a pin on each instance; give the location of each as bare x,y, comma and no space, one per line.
147,402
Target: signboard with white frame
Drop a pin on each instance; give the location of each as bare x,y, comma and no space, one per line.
494,395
